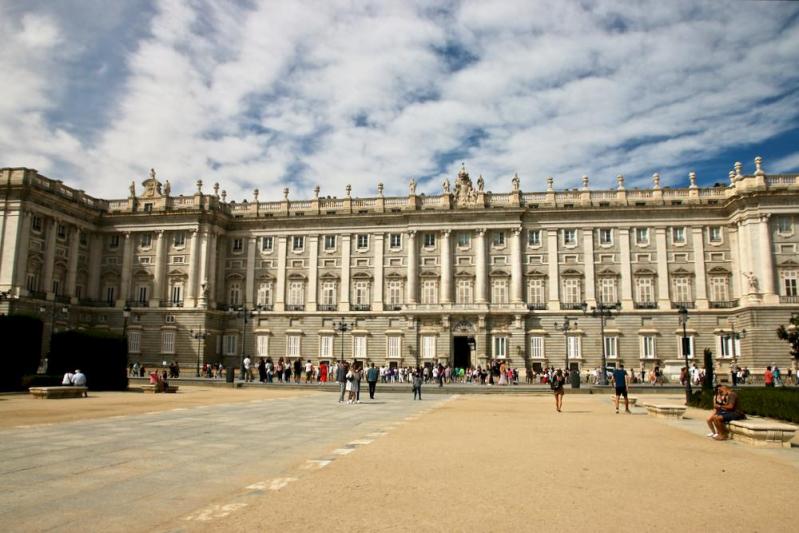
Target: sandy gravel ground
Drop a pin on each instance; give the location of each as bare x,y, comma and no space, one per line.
504,463
23,409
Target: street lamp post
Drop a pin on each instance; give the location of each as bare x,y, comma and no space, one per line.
603,312
200,335
734,337
244,313
565,327
342,326
686,347
53,308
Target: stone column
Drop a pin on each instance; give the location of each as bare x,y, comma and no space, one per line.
410,288
446,268
159,269
22,245
588,263
735,262
95,258
72,264
664,301
280,286
249,283
481,268
766,262
49,259
554,272
377,292
313,273
127,260
346,260
191,287
516,275
202,277
699,265
212,266
626,270
13,223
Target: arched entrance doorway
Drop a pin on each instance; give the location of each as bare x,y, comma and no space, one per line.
463,344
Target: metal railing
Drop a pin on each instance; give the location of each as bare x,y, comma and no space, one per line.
723,304
327,307
687,305
537,307
360,307
645,305
789,299
295,307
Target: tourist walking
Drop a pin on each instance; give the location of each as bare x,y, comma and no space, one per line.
358,370
350,385
768,377
341,378
621,381
247,368
416,385
557,382
371,377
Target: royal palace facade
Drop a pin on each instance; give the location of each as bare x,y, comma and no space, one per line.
465,276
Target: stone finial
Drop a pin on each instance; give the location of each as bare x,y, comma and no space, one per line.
316,192
656,181
692,179
732,177
445,185
516,182
481,183
216,189
585,183
199,186
759,166
349,190
224,195
412,187
152,173
285,193
132,189
550,184
738,170
167,188
380,189
620,182
255,195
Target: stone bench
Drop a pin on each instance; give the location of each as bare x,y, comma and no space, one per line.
665,411
64,391
633,401
764,433
153,388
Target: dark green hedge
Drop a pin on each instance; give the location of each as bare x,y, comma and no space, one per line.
102,357
22,348
781,403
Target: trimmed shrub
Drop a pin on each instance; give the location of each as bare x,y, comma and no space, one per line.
781,403
22,349
101,356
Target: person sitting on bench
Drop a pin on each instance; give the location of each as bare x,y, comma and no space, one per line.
727,410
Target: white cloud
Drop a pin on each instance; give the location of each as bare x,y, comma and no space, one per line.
266,93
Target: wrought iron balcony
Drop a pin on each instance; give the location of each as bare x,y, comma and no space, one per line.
571,306
789,299
537,307
645,305
725,304
327,307
137,303
677,305
167,303
295,307
264,307
95,303
360,307
39,295
393,307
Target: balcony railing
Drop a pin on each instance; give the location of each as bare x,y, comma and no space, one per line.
537,307
677,305
328,307
393,307
645,305
789,299
360,307
571,306
39,295
295,307
137,303
95,303
263,307
61,298
167,303
723,304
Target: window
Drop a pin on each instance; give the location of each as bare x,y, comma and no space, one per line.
499,238
266,243
464,293
134,341
611,347
238,245
682,289
607,291
569,237
714,233
234,293
264,296
146,240
719,289
393,346
57,287
293,345
789,282
428,346
464,239
784,224
262,345
296,293
642,236
361,296
359,346
690,345
574,346
605,236
429,240
329,293
500,345
169,319
572,293
113,241
395,292
230,343
678,235
535,291
429,291
297,243
168,341
109,294
179,239
537,347
726,347
36,223
32,282
362,241
61,231
326,346
176,293
534,237
83,239
395,241
499,291
141,294
647,347
330,242
644,290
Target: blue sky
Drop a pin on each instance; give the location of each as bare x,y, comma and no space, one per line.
270,94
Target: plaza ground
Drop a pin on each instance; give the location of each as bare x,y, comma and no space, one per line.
270,460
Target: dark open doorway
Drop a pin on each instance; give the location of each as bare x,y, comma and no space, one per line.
462,352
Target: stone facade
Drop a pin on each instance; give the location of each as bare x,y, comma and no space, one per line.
460,277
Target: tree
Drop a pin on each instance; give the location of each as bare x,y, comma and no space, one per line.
791,335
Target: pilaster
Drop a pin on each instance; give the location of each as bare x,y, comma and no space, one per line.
22,244
554,272
588,263
699,265
72,263
280,287
159,269
766,262
95,258
664,302
346,261
49,259
313,273
377,293
191,287
127,259
413,261
446,267
481,268
249,283
516,276
626,270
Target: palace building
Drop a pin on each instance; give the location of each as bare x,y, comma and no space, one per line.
461,277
